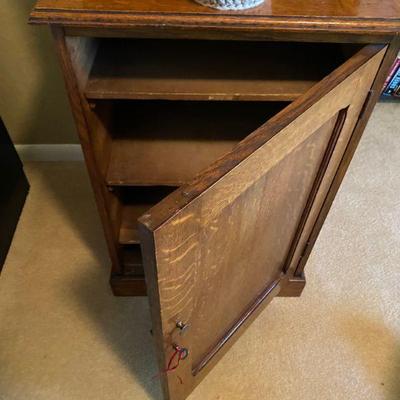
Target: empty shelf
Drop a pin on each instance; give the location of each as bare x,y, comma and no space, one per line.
208,70
135,202
168,143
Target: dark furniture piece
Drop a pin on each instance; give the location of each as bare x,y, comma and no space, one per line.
216,142
14,189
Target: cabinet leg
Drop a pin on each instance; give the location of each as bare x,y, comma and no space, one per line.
293,286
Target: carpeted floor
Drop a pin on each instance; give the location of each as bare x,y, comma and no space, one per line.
63,336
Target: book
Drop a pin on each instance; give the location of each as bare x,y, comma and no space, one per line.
392,70
397,92
394,83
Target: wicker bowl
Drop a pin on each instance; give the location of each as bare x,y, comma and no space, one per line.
230,4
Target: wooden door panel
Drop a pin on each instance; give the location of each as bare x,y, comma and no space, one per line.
246,244
216,250
361,86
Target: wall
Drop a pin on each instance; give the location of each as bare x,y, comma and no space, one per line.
33,102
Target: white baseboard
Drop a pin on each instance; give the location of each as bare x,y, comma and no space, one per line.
49,152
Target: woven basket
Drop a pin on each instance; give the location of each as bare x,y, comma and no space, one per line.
230,4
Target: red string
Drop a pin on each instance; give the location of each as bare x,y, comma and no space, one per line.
178,352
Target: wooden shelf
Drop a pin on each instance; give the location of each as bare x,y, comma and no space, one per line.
125,285
168,143
135,202
132,261
208,70
128,233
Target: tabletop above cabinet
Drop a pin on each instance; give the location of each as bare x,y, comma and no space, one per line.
360,17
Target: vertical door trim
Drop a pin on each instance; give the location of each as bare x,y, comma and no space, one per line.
337,130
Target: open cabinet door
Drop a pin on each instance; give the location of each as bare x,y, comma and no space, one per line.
219,249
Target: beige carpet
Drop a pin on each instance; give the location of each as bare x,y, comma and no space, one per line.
63,336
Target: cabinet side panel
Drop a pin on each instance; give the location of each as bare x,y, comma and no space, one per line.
79,108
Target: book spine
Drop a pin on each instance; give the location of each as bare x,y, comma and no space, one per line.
396,93
394,82
392,71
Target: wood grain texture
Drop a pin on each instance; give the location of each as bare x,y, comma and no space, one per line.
356,16
168,143
215,33
251,143
136,201
125,285
215,240
209,70
322,182
73,66
266,294
203,267
132,261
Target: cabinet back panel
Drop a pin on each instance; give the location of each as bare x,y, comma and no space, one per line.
168,143
209,70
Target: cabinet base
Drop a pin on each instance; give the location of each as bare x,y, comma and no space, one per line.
128,285
293,287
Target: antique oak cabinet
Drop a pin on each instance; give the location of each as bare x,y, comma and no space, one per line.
216,142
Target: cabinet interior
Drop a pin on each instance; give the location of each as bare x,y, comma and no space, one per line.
169,142
208,70
160,111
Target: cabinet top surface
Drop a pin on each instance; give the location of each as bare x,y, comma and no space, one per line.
359,16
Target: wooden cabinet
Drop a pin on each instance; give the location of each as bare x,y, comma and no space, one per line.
215,144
